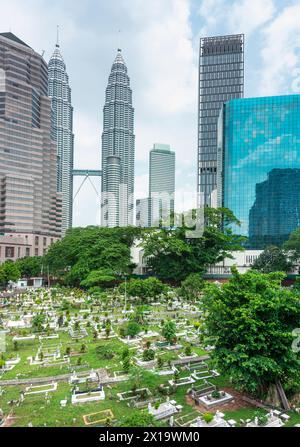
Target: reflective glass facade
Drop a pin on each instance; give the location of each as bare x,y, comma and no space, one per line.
221,78
259,166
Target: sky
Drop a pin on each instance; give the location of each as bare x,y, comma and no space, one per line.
160,44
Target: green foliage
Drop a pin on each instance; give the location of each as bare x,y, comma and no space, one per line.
144,288
30,266
293,244
148,354
9,272
126,364
38,322
84,250
192,286
169,331
132,329
272,259
207,417
104,352
125,353
252,318
188,350
101,277
172,255
138,418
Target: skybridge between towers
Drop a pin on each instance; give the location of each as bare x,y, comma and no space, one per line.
86,174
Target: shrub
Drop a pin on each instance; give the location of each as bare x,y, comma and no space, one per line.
148,355
207,417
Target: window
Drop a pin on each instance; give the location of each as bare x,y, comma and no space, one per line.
9,252
27,251
44,241
36,240
36,252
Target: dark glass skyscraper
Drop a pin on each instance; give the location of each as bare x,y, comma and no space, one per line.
118,149
221,78
259,166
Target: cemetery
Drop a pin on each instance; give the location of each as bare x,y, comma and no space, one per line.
74,360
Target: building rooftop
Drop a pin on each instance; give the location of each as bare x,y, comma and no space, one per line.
14,38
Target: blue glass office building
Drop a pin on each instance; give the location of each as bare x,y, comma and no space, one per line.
259,166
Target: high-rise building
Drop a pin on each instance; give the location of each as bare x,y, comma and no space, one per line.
118,140
258,166
143,212
60,93
159,204
30,207
221,78
161,183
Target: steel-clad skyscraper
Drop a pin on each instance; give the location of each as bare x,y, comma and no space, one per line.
30,206
118,149
221,78
60,93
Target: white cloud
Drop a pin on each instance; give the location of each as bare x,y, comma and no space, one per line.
281,53
240,16
164,50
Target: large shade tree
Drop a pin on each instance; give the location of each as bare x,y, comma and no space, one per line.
252,318
273,259
84,250
174,253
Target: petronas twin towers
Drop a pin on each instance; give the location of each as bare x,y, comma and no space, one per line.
118,149
117,142
62,124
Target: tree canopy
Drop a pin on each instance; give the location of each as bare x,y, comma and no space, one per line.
29,267
84,250
272,259
293,244
192,287
144,288
9,271
172,254
252,318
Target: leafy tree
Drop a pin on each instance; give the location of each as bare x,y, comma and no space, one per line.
126,364
252,318
138,418
30,266
144,288
169,331
293,244
9,272
84,250
101,277
38,322
173,254
148,354
272,259
192,287
132,329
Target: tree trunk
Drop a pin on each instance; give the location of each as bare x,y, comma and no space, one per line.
283,398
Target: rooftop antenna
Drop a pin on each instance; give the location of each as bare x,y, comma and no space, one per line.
119,40
57,36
